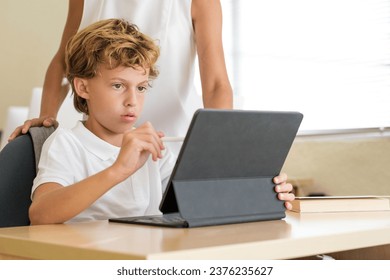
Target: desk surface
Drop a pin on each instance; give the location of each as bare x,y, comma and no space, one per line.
297,235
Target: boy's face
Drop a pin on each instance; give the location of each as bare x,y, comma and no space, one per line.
115,99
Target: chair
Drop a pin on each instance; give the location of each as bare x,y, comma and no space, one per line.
16,115
18,165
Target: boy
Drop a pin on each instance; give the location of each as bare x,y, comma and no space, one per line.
104,167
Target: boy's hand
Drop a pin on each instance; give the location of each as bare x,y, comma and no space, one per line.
23,129
137,145
283,189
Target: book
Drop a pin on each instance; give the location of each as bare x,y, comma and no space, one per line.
312,204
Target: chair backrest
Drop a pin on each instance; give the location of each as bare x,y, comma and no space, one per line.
17,172
16,115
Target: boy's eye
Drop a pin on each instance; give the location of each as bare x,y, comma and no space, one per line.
117,86
142,89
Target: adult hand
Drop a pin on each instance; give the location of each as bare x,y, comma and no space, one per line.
283,189
23,129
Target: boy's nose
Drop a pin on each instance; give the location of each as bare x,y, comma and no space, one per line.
131,99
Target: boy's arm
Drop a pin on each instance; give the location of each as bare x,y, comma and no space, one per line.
207,23
54,203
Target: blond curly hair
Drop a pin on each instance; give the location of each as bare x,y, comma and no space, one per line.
113,43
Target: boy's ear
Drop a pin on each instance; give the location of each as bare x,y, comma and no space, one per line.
80,86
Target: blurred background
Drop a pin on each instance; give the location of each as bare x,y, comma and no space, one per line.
329,59
30,35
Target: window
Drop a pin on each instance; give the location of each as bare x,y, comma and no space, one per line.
329,59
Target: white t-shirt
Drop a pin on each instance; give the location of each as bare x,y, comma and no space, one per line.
71,155
172,100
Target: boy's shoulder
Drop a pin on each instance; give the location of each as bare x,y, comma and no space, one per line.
80,141
62,137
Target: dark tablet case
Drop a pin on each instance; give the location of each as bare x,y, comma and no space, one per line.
226,165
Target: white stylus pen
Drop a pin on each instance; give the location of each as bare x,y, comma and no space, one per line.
172,139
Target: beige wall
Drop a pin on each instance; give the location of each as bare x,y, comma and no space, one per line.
30,35
341,166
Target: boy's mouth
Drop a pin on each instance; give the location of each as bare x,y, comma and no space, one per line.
129,116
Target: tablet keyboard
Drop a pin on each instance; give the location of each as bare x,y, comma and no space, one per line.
167,219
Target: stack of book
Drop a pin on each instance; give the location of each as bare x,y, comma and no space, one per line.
312,204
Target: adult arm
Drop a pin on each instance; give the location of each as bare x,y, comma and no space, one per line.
207,23
216,89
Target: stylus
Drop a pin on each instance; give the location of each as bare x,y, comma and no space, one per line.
172,139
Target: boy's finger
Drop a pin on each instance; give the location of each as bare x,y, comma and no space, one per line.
280,178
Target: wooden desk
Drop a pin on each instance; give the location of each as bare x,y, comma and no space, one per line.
294,237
